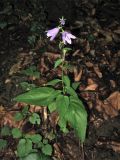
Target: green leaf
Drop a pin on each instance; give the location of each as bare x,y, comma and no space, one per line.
40,145
66,80
35,156
18,116
34,118
41,96
62,104
75,85
71,91
77,117
65,50
45,141
47,149
27,86
63,124
52,107
58,62
25,110
54,82
3,144
24,147
31,71
5,131
31,156
36,138
16,132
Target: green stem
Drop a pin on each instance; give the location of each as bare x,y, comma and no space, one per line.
63,85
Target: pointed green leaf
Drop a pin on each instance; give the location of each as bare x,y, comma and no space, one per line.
41,96
58,62
63,124
62,103
75,85
71,91
52,106
77,117
66,80
53,82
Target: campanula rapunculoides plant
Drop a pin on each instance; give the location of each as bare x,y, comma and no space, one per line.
63,100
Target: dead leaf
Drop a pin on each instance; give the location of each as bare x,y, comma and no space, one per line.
89,64
77,74
54,117
110,144
52,56
115,146
15,68
97,71
92,86
43,68
8,119
110,106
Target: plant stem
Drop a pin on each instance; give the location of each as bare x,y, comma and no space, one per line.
63,86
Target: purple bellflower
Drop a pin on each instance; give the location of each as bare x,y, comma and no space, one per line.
62,21
52,33
66,37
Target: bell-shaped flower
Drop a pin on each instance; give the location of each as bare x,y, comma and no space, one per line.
66,37
62,21
52,33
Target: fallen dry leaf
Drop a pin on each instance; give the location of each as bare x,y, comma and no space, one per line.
8,119
110,106
97,71
54,117
110,144
92,86
77,74
15,68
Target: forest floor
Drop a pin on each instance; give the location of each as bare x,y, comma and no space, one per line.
95,63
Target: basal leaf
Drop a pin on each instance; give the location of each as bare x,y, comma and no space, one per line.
24,147
35,118
18,116
31,156
36,138
5,131
3,144
35,156
16,133
41,96
47,149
